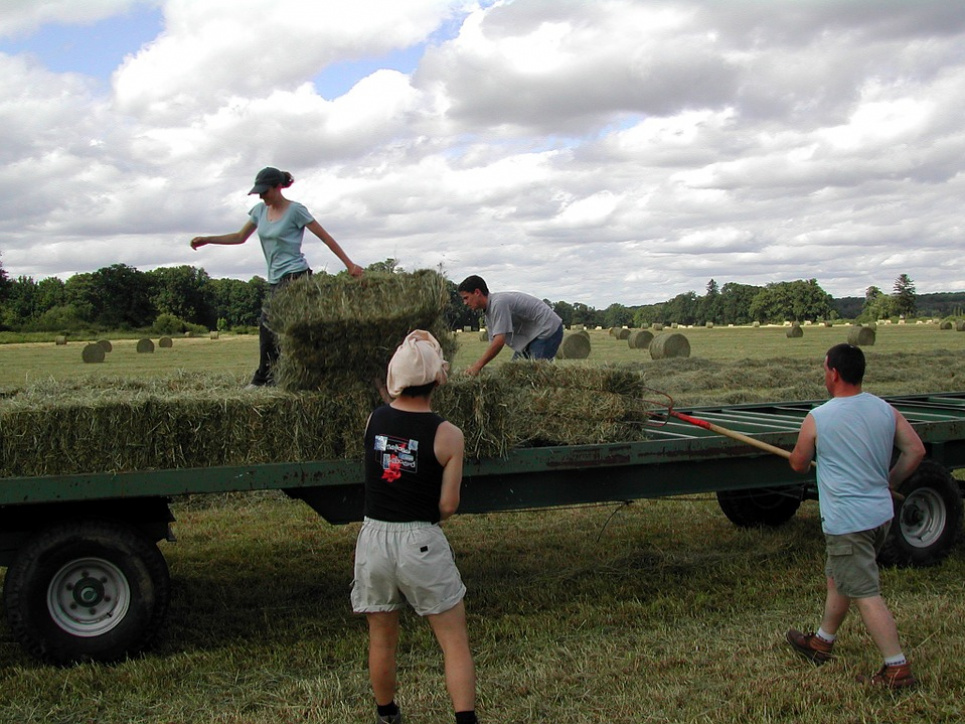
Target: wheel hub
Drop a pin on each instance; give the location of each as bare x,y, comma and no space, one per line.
88,597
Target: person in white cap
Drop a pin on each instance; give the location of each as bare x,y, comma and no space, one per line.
281,225
413,471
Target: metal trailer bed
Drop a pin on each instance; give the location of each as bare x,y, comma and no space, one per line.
86,581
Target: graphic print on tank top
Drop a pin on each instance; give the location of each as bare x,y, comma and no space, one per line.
398,456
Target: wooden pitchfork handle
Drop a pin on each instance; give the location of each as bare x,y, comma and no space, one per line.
753,442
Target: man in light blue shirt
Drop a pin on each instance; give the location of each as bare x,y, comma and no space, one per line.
853,435
519,321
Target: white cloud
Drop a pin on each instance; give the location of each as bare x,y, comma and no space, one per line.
614,151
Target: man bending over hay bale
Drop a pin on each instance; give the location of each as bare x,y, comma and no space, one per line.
521,321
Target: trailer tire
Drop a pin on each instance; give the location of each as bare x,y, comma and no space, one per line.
86,591
761,506
927,522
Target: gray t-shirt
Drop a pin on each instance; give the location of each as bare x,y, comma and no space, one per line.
521,317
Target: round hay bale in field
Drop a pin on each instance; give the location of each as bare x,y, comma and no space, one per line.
165,342
575,346
145,346
709,325
106,344
756,325
657,327
945,325
861,336
960,325
640,339
612,331
623,333
483,335
795,331
60,341
93,352
665,346
189,333
212,335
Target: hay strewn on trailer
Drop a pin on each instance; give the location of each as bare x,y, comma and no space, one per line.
198,420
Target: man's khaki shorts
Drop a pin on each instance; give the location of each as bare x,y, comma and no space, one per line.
852,563
397,563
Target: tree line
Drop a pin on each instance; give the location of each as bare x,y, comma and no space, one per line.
177,299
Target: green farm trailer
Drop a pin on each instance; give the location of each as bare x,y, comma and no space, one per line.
86,580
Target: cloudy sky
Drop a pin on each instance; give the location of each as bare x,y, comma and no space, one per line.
592,151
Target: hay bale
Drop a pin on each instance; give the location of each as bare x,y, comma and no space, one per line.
640,339
106,345
483,335
795,331
92,353
583,332
861,336
960,325
60,341
657,327
164,343
575,346
145,346
213,335
945,325
709,325
336,329
54,427
667,345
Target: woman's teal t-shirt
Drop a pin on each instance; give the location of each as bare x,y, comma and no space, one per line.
281,240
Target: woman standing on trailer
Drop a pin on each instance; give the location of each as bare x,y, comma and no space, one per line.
281,225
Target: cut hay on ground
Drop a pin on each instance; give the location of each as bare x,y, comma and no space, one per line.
336,329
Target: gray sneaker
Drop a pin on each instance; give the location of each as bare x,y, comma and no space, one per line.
389,719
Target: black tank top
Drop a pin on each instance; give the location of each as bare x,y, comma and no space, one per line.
403,479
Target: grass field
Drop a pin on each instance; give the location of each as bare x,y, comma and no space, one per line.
658,611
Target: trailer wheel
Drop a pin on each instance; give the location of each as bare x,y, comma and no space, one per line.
761,506
86,591
927,522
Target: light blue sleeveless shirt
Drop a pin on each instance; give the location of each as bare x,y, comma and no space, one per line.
855,440
281,240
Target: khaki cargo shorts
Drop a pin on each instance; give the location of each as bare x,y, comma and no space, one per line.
852,563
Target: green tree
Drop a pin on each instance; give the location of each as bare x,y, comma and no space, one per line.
795,301
709,308
682,309
184,292
237,302
735,303
388,265
21,306
904,296
617,315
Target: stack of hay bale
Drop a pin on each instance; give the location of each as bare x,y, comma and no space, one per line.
336,336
